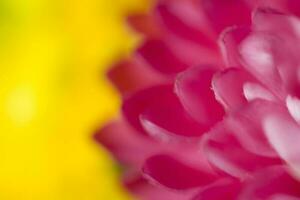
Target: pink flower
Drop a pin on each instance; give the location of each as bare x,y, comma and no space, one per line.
211,102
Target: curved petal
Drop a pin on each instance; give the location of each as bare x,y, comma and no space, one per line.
158,111
145,24
132,74
271,183
223,13
225,190
176,24
283,51
193,87
161,57
172,173
284,133
227,155
229,41
144,190
125,144
228,87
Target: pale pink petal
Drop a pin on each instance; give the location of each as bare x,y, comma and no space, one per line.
226,154
284,135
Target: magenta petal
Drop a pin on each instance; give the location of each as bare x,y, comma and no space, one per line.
229,41
224,13
193,87
225,152
161,57
272,183
294,6
144,190
225,190
177,25
172,173
228,87
158,111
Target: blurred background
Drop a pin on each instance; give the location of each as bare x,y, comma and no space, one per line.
54,94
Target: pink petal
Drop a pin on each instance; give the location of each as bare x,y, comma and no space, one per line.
225,190
193,87
132,74
144,190
284,135
172,173
247,126
228,87
271,183
176,24
256,52
161,57
126,145
225,153
229,41
284,54
145,24
158,111
293,6
224,13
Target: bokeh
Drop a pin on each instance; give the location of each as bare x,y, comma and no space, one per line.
54,94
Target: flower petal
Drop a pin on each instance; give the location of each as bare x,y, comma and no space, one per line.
193,87
172,173
271,183
144,190
161,57
228,87
283,134
126,145
225,152
226,190
158,111
132,74
229,41
176,24
223,13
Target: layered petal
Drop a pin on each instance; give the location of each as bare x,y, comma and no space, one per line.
272,183
170,172
161,57
223,13
133,74
228,87
193,88
284,133
158,111
226,153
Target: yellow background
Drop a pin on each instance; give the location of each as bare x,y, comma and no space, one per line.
53,94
